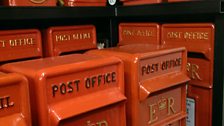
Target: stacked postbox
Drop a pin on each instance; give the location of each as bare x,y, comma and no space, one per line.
155,83
199,41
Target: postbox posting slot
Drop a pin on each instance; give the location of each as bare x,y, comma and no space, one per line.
62,110
150,86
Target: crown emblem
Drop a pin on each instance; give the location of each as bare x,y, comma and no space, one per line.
162,103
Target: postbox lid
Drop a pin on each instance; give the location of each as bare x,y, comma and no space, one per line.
136,33
65,39
196,37
150,86
20,44
85,104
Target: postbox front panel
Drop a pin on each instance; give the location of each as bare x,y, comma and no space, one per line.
29,2
74,38
112,115
160,65
160,106
10,100
200,72
19,45
81,83
130,33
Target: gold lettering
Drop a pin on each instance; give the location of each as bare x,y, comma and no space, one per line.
174,35
127,32
81,36
144,33
196,35
170,105
152,113
192,69
3,43
21,42
62,38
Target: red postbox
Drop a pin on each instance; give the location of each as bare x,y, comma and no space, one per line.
136,33
85,3
66,39
20,44
29,2
155,83
199,41
140,2
75,90
14,100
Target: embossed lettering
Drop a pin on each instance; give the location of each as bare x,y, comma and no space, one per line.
196,35
21,42
171,63
91,82
146,33
100,123
67,37
5,102
174,35
170,106
64,88
165,65
188,35
192,70
150,68
81,36
128,32
2,43
162,105
62,38
152,113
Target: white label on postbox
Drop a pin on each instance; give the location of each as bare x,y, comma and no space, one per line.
190,112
